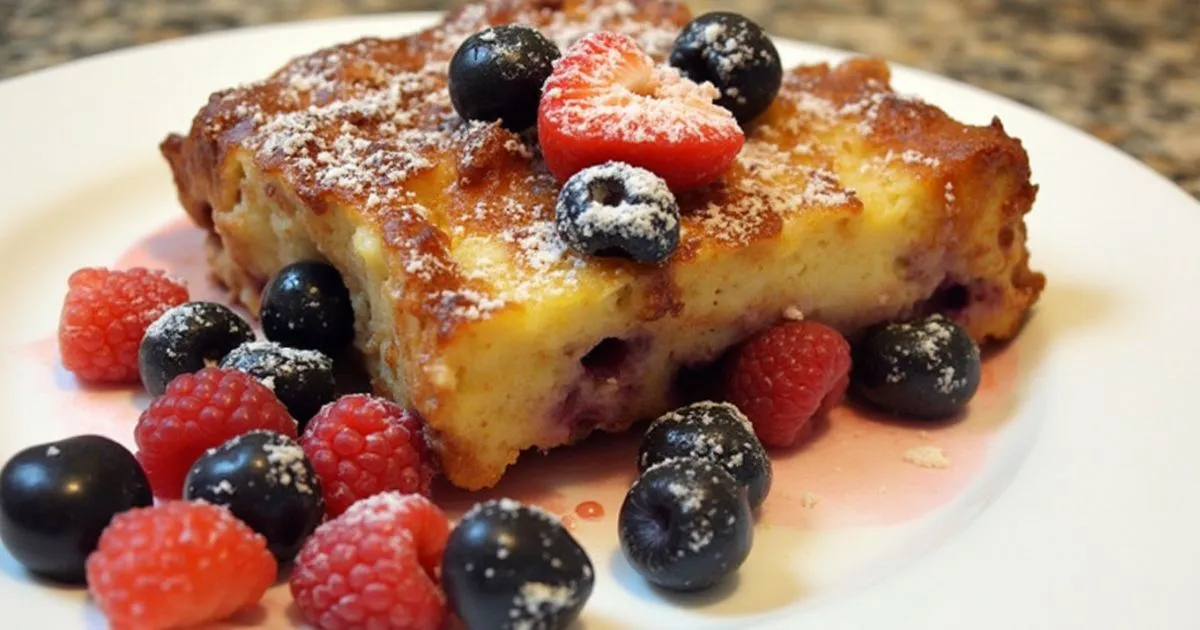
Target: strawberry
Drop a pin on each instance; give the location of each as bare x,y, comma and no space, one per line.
607,101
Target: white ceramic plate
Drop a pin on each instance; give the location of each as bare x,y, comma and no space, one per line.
1075,506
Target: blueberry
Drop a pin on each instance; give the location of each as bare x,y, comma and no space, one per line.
926,368
302,379
186,338
734,54
306,305
498,73
686,524
718,432
265,480
56,499
509,565
619,210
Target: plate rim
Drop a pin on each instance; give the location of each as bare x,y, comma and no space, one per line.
876,595
81,64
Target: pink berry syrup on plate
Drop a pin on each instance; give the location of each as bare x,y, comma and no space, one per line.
860,469
855,471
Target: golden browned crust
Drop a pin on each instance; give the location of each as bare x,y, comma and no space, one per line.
965,166
444,229
207,173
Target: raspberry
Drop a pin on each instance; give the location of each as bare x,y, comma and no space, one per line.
104,316
200,411
361,445
787,375
177,564
375,566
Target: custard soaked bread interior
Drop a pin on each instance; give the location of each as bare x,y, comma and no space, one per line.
849,202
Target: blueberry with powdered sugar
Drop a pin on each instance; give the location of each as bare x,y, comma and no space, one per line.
925,368
509,565
187,338
734,54
686,524
616,209
266,481
497,74
717,432
302,380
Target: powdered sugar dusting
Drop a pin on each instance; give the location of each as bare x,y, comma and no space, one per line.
540,248
540,245
362,125
706,413
378,510
697,495
774,182
350,161
822,189
526,544
270,357
508,508
478,142
731,44
536,600
687,498
470,303
174,326
641,209
286,463
715,432
621,16
932,348
178,319
631,99
288,466
861,113
369,126
911,157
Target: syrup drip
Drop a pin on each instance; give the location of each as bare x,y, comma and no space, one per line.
590,511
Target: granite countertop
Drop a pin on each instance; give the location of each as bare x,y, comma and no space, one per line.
1127,71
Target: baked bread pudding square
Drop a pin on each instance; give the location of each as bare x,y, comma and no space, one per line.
848,203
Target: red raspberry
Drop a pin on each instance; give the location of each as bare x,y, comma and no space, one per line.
201,411
362,445
785,376
104,317
376,566
177,564
607,101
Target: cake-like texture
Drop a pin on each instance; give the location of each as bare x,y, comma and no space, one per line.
849,202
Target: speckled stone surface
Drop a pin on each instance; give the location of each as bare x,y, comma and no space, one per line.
1128,71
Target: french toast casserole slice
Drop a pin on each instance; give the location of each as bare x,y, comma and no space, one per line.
849,202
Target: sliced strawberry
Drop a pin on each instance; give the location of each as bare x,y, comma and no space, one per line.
608,101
